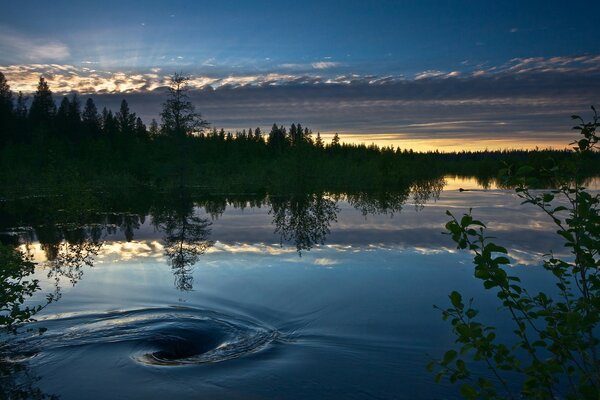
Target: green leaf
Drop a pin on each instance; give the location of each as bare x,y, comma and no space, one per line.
449,356
456,299
502,260
468,392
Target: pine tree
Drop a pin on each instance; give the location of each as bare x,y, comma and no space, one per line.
61,120
335,142
154,132
125,119
74,118
90,119
258,134
22,131
43,109
318,141
6,111
110,127
140,129
179,118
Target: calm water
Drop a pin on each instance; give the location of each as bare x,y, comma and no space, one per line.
253,296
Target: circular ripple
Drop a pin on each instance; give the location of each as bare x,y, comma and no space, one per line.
168,337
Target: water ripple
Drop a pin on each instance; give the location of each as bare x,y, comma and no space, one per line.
157,336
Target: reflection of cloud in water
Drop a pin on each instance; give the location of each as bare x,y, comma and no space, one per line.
256,248
326,255
326,261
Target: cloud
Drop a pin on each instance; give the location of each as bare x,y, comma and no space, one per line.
534,75
318,65
23,48
324,64
524,102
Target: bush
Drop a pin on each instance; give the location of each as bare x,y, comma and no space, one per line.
555,346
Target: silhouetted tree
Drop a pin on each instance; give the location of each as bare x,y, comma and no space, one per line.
140,129
6,111
110,126
335,142
277,137
125,119
318,141
61,119
68,118
179,118
43,109
91,119
257,134
153,131
22,131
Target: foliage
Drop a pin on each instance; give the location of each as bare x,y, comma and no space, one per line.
16,287
554,351
179,117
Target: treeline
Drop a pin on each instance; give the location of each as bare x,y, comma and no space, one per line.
44,146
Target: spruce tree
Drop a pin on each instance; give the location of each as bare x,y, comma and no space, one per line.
6,111
125,119
179,118
43,109
91,119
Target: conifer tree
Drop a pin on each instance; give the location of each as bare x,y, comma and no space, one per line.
125,119
153,131
91,119
22,133
6,110
257,134
140,129
179,118
43,109
335,142
318,141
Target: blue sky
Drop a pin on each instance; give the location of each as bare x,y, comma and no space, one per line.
379,37
354,51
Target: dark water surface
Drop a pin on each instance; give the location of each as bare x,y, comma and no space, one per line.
254,296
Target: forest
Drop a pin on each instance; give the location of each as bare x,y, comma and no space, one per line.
45,147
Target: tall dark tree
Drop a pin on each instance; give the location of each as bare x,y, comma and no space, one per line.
257,134
179,118
110,127
61,120
318,141
68,118
335,142
91,119
153,131
140,129
74,118
6,111
126,119
43,109
277,137
22,131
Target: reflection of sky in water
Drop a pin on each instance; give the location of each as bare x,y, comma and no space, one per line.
354,315
524,229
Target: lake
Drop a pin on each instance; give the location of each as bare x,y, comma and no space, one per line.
254,296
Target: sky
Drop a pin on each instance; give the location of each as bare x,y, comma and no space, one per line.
425,74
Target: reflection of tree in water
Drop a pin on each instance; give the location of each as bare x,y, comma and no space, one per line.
185,237
424,191
303,219
18,383
392,202
378,203
69,248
